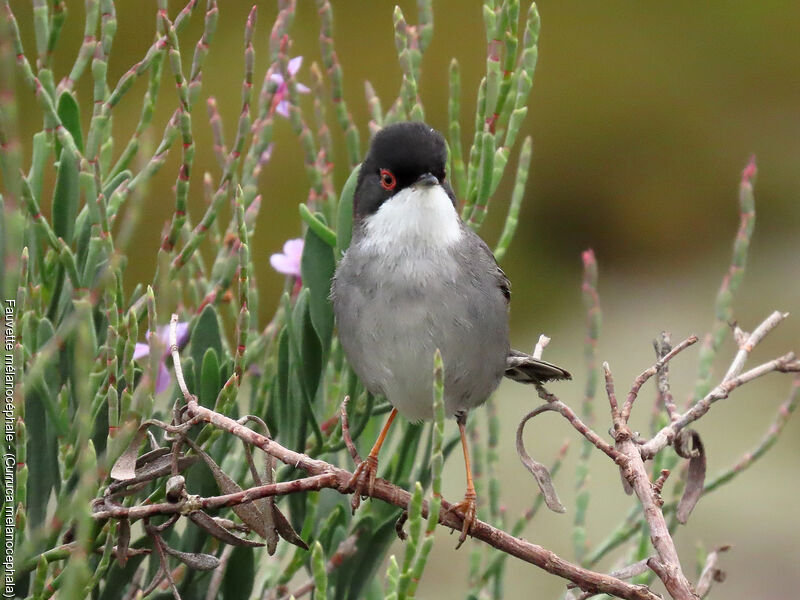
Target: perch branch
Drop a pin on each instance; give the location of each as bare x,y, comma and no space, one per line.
626,452
323,474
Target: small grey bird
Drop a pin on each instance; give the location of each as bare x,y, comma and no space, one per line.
415,278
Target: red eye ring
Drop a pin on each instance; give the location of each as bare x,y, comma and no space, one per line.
388,181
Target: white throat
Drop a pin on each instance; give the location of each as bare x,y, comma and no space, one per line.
415,217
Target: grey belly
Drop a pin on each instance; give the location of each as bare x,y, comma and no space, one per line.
390,327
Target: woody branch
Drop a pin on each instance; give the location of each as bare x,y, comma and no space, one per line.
325,475
629,452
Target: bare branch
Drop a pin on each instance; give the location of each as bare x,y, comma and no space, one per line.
710,572
162,557
665,397
667,564
659,483
193,503
175,352
785,363
612,395
648,373
689,445
565,411
750,342
671,573
540,346
626,572
323,474
626,453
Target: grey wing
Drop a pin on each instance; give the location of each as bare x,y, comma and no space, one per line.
522,367
503,283
502,280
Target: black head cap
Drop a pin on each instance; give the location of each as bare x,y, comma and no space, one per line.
407,150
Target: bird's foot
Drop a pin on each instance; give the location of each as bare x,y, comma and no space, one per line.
363,480
467,510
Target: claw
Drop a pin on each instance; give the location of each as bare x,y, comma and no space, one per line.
366,469
467,509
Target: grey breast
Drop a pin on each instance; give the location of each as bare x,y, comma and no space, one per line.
394,311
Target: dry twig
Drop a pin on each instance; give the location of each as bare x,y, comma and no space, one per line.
629,453
325,475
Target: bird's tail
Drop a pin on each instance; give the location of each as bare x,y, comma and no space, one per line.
523,368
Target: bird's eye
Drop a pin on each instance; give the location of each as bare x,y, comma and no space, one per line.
388,181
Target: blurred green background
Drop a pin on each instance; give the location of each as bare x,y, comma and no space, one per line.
642,117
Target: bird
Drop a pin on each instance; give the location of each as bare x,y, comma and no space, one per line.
415,278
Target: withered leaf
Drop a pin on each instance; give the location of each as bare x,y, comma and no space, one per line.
696,475
125,466
268,509
152,439
630,571
122,489
539,472
201,562
151,456
285,529
163,466
266,504
210,526
248,511
158,467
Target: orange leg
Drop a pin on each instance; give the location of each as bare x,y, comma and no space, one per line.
369,468
468,506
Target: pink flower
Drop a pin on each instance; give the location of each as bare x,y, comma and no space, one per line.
265,155
288,263
163,378
280,102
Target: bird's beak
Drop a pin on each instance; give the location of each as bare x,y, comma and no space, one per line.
427,180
